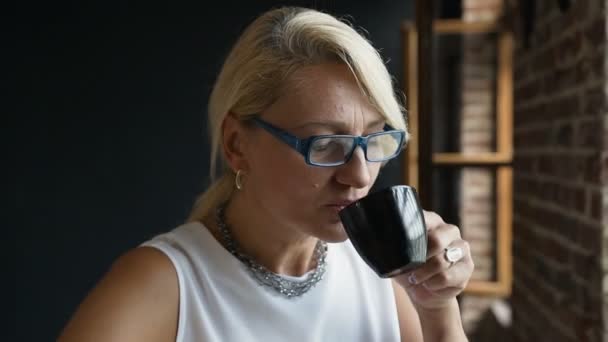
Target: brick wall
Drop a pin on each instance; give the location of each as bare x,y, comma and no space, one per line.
481,10
477,132
560,122
599,206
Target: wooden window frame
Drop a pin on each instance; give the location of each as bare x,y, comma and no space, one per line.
501,159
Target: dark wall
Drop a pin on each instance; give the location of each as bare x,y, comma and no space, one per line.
115,148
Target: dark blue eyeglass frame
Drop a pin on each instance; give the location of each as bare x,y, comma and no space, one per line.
303,145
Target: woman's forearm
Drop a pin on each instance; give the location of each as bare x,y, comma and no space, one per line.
444,324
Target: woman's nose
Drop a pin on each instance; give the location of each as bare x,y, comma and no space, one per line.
355,172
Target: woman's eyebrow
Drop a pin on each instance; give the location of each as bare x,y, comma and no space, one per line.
337,125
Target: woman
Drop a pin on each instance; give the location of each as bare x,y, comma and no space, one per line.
263,255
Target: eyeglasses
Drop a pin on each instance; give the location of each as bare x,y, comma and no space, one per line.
334,150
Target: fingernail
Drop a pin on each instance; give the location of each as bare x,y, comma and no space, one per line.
412,279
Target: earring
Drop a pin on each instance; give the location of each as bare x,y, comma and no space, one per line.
238,179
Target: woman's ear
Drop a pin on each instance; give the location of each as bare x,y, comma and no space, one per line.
234,137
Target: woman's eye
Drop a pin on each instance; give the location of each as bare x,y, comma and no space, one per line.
324,145
319,147
373,142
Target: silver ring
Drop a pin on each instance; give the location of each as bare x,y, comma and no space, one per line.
453,255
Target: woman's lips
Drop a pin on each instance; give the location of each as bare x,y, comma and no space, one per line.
336,207
339,205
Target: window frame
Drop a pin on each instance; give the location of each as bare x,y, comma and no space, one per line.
501,160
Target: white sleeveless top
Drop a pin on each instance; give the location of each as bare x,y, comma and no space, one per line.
220,301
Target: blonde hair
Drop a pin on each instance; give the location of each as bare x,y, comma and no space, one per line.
269,51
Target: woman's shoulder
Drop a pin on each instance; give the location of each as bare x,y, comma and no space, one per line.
145,263
138,297
183,231
181,236
191,241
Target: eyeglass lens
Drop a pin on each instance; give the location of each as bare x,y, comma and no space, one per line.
335,150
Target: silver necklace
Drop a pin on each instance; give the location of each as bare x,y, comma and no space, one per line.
285,287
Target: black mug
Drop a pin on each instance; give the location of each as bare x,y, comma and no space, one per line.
387,229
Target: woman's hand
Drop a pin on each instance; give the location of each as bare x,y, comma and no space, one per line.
435,284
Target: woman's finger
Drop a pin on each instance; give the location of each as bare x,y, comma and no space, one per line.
455,277
438,265
432,219
441,237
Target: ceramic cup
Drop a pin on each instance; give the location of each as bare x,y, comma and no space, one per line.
387,229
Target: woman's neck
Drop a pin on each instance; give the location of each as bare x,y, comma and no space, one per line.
277,246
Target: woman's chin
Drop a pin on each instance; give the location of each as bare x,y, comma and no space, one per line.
334,233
